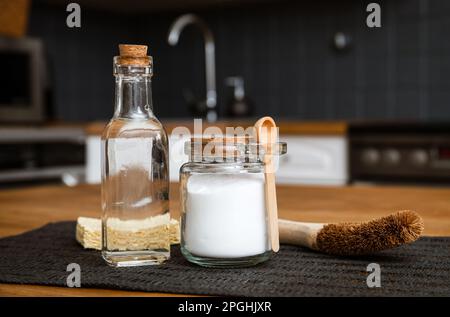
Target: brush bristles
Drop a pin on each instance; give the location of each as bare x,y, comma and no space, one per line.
369,237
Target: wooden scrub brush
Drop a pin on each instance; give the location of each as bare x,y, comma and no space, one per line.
354,238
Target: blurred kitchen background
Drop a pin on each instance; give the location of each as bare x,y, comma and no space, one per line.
355,104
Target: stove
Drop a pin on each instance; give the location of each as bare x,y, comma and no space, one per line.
400,152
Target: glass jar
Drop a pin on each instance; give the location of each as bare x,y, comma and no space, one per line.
223,215
135,179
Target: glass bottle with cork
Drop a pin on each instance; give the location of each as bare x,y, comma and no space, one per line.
135,182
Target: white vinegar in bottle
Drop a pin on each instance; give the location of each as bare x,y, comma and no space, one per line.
135,180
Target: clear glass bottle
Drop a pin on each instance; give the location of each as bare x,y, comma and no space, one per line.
135,182
223,215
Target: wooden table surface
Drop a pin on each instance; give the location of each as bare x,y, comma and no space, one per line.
25,209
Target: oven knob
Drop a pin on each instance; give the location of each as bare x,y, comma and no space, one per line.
391,156
370,156
419,157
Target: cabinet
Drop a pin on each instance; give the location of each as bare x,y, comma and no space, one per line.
320,160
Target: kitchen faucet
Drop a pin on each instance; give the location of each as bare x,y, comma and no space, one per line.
210,63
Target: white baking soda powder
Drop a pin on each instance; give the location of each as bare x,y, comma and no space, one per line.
225,215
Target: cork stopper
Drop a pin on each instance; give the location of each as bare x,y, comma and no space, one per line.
230,139
133,55
217,147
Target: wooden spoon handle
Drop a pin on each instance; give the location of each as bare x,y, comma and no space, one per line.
272,211
267,135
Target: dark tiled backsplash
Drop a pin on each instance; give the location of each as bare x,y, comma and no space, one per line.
283,50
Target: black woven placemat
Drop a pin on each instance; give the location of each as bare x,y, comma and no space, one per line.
41,257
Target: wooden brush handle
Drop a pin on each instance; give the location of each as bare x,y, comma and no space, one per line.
299,233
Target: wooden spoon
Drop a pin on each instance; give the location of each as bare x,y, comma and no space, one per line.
267,135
